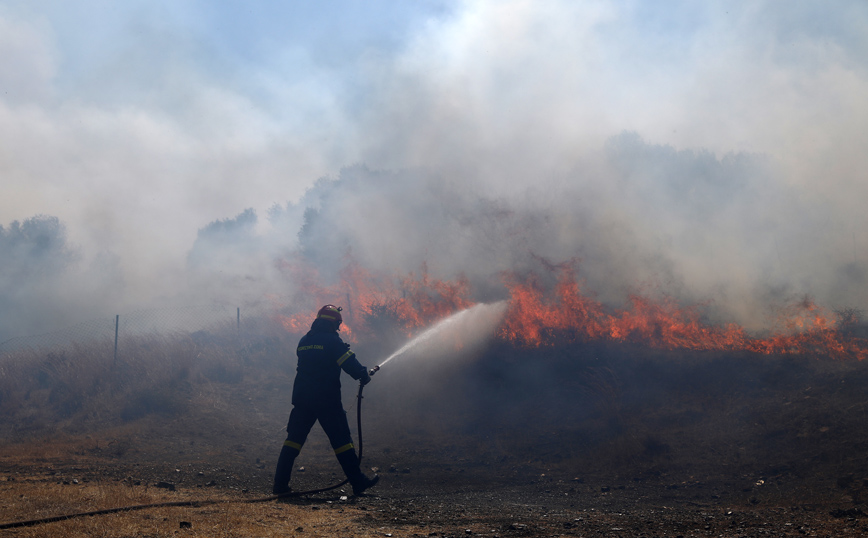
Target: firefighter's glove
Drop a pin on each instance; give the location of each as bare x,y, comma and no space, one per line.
365,379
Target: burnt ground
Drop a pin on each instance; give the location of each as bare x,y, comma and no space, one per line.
588,441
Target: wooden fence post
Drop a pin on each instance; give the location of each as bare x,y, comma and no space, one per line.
117,323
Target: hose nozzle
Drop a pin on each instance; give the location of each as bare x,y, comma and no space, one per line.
374,370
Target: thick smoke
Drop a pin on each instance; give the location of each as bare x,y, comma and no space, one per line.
644,218
44,280
712,152
640,218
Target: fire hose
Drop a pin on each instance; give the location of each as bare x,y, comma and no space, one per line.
206,502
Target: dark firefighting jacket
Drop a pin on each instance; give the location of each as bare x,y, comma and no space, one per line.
321,356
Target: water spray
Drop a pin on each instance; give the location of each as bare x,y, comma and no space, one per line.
493,311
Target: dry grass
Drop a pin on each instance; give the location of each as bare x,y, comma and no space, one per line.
41,497
83,449
82,389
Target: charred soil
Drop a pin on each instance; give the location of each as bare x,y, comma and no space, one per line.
584,440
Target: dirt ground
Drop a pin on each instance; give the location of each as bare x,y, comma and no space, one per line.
426,501
608,443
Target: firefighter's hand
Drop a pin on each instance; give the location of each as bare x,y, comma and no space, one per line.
365,379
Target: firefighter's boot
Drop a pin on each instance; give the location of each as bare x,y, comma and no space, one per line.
361,483
350,464
284,470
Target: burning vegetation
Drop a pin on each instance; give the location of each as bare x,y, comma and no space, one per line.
553,308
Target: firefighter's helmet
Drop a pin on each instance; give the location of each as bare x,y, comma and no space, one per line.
331,313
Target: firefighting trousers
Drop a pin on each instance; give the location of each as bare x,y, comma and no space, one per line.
333,420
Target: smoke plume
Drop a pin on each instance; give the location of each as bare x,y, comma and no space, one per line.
711,153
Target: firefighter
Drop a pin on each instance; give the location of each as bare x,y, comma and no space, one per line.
316,395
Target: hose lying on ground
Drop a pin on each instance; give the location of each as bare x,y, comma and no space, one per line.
205,502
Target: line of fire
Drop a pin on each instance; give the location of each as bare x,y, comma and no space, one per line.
563,312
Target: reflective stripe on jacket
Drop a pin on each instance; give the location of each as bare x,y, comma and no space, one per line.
321,357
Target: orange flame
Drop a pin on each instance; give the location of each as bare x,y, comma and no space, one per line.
565,314
535,319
